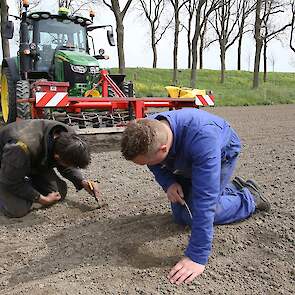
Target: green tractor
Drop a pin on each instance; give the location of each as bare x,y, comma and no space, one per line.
53,48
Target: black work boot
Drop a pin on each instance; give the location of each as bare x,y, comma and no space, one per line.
240,183
261,202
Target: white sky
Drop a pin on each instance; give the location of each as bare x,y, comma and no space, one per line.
138,51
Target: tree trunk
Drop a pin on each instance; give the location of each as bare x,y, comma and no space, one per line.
154,48
119,15
201,53
4,17
241,32
175,50
258,40
257,64
264,61
201,49
189,48
222,63
189,43
240,51
120,46
195,57
195,44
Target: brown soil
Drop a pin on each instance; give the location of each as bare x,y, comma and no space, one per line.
129,246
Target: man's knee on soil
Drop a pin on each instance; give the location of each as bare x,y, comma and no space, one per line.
180,216
62,188
16,212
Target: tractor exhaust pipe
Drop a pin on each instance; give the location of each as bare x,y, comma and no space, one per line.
24,50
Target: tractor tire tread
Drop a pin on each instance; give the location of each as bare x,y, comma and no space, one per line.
23,91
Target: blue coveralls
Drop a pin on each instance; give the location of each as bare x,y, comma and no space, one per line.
202,159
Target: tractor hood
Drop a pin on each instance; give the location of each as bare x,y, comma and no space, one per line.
77,58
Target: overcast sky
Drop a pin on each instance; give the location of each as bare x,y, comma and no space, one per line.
138,51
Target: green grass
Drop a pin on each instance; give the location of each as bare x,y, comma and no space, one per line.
237,89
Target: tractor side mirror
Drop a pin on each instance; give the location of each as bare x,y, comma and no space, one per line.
111,39
8,30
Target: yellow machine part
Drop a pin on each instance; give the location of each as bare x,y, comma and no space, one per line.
92,93
4,97
183,92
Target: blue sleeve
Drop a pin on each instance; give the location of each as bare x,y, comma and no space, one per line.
206,167
163,176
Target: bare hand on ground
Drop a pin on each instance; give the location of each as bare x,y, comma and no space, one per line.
50,198
91,187
185,271
175,193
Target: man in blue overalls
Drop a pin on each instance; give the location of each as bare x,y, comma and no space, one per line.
192,155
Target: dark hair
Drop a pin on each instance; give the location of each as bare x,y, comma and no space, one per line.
72,150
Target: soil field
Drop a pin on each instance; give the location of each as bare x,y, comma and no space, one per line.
129,246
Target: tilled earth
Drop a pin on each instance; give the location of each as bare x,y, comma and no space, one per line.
129,246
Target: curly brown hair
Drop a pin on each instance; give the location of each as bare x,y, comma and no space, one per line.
142,137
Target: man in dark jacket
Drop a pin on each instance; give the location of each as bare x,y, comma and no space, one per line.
29,152
192,155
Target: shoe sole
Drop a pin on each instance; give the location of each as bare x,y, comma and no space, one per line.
240,182
250,183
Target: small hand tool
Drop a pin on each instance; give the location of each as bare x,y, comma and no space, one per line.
188,209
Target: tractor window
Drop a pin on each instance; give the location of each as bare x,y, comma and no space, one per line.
56,32
53,34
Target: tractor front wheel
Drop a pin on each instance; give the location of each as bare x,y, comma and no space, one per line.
23,92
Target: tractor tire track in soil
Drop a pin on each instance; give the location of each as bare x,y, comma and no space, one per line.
129,246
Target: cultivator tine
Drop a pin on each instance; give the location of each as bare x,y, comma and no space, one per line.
93,120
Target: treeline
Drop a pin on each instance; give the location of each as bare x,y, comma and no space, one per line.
205,22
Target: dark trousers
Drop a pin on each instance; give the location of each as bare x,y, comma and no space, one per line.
45,183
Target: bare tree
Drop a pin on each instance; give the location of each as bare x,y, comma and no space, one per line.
190,7
258,41
203,44
247,7
249,60
271,30
119,14
224,24
4,18
214,4
199,7
266,39
292,4
209,7
153,10
177,6
76,6
265,31
273,61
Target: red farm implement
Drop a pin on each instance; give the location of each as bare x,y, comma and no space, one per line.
103,111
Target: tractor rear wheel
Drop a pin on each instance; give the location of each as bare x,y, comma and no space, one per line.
23,91
127,88
8,97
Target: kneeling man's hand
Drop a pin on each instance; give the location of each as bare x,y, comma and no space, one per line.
185,271
50,198
91,187
175,193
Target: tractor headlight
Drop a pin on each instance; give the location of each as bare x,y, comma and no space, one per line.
79,69
94,70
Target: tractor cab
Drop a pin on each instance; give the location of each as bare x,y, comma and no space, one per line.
50,33
59,50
